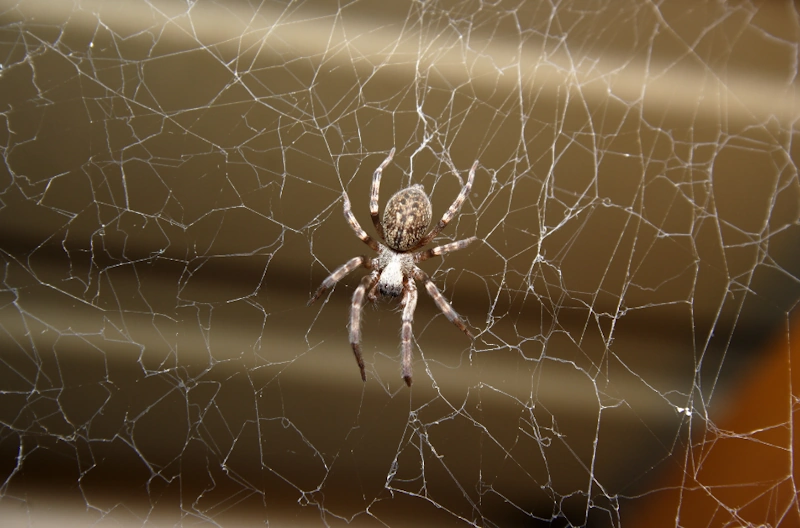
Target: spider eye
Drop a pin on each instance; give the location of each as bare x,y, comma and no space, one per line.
406,218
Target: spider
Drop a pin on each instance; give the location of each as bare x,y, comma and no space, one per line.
394,270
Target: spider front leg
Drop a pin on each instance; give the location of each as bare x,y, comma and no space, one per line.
409,304
338,274
441,302
356,308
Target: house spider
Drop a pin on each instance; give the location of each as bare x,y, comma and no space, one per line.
394,271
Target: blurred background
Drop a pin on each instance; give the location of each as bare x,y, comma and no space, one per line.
171,196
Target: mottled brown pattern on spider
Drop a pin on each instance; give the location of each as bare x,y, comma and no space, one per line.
406,218
394,269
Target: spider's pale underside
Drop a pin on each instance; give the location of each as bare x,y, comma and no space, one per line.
394,270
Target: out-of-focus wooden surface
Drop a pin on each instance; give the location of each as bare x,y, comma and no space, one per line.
746,471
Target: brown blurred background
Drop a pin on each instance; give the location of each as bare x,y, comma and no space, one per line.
171,197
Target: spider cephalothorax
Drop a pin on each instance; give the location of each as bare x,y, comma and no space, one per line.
394,271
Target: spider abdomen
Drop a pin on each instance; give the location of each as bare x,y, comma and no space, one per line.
406,218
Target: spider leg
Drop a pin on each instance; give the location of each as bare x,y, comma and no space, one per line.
409,305
451,212
441,302
338,274
355,226
372,293
355,318
373,195
441,250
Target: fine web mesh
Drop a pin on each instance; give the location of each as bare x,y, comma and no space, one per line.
171,196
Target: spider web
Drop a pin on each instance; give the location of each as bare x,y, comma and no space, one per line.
171,196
